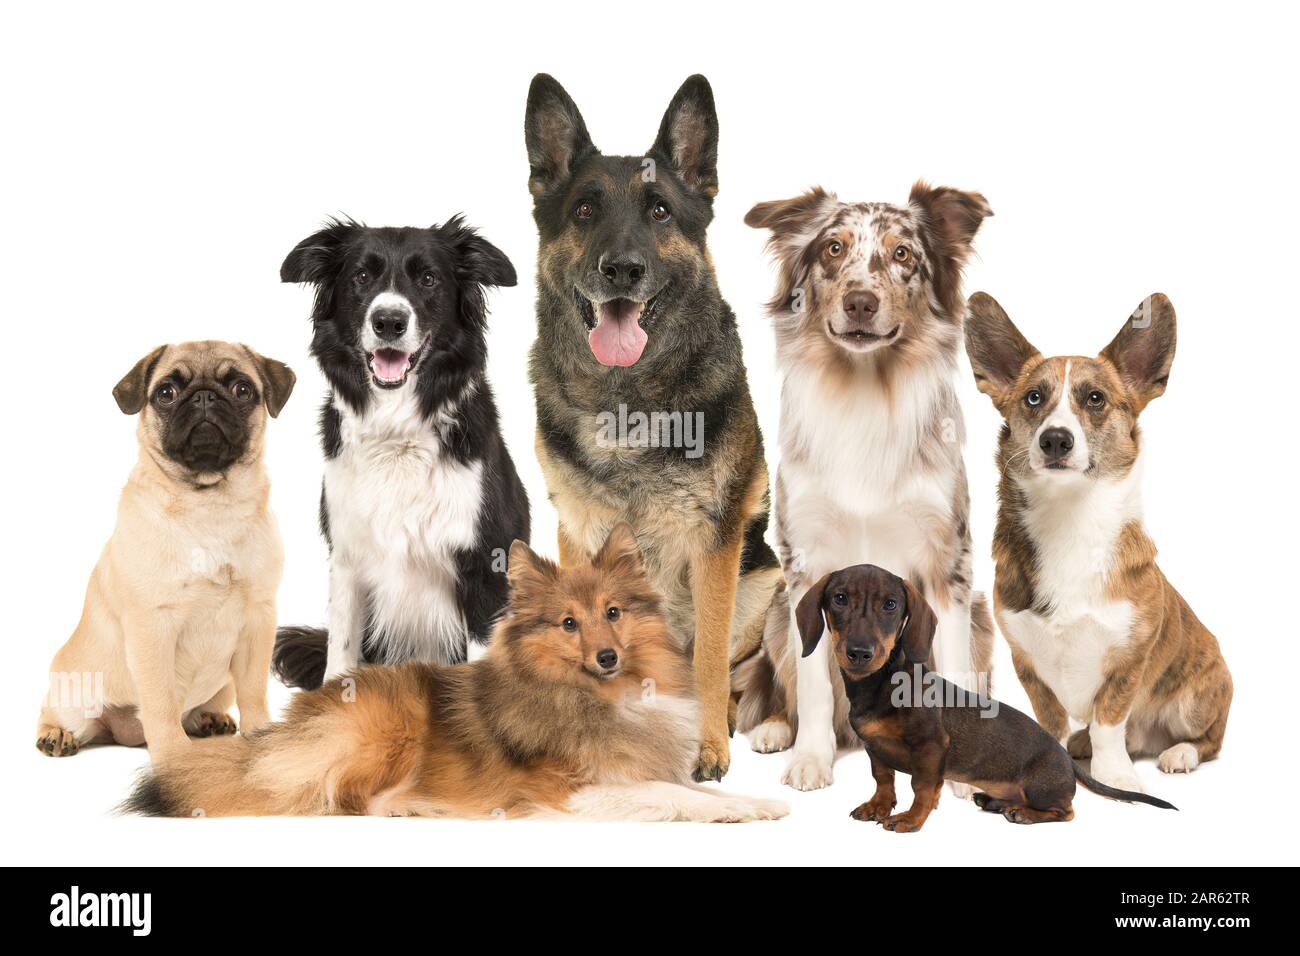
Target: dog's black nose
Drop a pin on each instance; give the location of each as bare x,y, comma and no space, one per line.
858,654
861,304
607,658
389,324
623,270
203,399
1056,443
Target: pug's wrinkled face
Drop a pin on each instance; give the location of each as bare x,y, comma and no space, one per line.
203,405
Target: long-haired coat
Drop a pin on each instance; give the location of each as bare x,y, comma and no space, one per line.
420,499
582,705
868,316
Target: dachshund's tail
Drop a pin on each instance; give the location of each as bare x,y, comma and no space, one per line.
1113,793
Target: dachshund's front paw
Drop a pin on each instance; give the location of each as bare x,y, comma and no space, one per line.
874,810
904,822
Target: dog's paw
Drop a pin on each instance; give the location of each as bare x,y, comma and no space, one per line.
962,791
713,762
808,772
742,810
1180,758
770,737
1080,745
57,742
903,823
874,810
1016,815
1119,774
209,724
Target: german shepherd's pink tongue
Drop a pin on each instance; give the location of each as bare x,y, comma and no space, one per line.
618,339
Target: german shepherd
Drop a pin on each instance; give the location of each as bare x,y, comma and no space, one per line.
582,705
643,411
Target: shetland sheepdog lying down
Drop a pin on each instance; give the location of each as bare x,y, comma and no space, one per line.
582,706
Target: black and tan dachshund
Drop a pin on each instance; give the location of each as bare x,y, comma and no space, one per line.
912,720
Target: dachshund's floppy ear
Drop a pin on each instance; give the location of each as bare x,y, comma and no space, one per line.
808,615
918,630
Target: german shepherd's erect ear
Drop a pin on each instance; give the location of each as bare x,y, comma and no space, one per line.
917,633
688,136
620,552
555,135
808,615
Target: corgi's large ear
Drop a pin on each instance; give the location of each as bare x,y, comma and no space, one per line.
917,635
1143,351
555,135
808,616
132,391
319,257
620,552
997,350
688,136
527,569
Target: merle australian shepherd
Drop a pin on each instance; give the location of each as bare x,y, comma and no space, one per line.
421,499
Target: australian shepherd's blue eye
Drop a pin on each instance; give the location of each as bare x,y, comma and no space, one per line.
1034,398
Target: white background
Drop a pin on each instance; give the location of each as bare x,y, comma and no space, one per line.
161,161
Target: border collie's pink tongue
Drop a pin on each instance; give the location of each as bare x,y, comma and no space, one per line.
389,365
618,339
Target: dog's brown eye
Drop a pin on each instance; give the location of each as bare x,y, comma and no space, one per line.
834,248
362,277
891,604
569,624
840,598
583,211
902,253
428,279
1033,398
661,213
166,393
613,614
1096,399
242,390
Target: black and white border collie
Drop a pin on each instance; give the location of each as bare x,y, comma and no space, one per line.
421,499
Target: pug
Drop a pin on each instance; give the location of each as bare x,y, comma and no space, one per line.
179,618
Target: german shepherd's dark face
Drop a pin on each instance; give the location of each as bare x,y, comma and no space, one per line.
622,237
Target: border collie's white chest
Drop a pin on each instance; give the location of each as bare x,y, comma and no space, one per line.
399,511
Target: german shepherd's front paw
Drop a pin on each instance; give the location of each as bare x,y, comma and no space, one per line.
875,810
713,762
208,724
57,742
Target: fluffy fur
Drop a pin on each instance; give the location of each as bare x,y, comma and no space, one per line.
180,610
420,499
582,705
629,316
1098,635
867,316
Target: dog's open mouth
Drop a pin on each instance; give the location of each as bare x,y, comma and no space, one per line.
389,368
616,329
860,338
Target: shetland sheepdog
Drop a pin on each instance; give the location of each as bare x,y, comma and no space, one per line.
583,705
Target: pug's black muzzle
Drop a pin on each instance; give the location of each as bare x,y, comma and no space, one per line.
206,433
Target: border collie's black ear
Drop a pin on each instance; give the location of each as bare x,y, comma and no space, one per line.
688,136
555,135
808,615
318,257
918,630
477,260
277,381
995,346
133,391
1143,351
